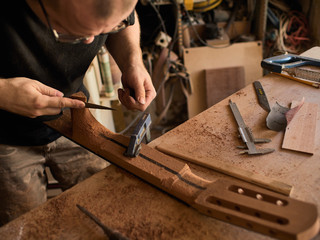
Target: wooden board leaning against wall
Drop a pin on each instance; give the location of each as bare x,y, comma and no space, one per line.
199,59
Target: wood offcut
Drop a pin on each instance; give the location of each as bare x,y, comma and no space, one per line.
300,132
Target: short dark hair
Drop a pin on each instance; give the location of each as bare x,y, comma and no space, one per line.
104,8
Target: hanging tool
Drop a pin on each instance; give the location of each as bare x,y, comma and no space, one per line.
246,134
114,235
141,130
294,67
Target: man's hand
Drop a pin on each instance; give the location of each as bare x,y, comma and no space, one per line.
31,98
137,79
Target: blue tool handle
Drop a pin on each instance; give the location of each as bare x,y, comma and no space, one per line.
277,63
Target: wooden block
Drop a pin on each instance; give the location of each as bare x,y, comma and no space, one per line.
222,82
300,133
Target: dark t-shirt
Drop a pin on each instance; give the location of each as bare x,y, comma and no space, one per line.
28,49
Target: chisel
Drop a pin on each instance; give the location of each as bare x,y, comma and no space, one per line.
262,97
96,106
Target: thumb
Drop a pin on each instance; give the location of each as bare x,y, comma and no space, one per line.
140,95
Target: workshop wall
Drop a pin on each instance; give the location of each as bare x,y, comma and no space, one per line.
311,9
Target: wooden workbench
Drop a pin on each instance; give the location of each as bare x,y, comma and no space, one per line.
140,211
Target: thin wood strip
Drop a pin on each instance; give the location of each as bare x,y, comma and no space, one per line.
228,169
300,133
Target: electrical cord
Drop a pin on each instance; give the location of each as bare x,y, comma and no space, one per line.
203,42
293,32
168,61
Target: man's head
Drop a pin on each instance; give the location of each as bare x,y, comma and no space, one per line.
87,18
104,8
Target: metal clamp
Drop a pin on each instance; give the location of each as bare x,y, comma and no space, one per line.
141,130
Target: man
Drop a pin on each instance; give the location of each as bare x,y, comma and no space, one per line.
46,48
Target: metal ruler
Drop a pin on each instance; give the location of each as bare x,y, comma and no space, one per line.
246,134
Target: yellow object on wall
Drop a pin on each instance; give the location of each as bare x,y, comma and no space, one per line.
206,5
188,4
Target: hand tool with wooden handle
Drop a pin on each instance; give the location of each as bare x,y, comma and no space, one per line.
234,202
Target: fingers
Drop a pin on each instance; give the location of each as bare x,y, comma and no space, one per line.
142,86
63,102
144,92
130,103
127,100
31,98
53,98
48,91
140,95
150,93
47,105
45,111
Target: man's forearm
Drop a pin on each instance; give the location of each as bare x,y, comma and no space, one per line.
125,46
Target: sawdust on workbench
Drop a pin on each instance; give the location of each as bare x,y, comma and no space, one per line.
137,210
213,134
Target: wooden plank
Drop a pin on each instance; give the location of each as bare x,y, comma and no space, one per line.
300,133
196,60
222,82
227,169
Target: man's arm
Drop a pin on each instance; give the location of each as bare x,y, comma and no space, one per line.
124,47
